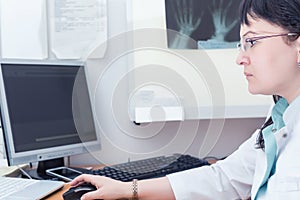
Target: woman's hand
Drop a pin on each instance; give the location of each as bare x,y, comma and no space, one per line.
107,188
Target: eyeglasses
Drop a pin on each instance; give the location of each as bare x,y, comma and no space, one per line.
247,43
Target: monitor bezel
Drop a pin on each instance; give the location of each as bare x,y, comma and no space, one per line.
44,154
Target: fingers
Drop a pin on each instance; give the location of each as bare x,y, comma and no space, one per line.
87,178
91,195
107,188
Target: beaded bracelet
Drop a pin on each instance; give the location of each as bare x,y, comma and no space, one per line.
134,190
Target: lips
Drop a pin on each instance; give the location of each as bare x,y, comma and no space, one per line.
248,75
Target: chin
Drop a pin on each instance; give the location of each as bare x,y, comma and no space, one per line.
256,91
252,91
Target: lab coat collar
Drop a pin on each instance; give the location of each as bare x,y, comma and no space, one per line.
279,125
291,118
277,114
292,114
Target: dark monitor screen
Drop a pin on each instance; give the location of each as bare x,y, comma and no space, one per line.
46,111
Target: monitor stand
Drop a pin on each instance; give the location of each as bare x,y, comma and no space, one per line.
40,171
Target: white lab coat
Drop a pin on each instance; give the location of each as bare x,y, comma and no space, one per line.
240,174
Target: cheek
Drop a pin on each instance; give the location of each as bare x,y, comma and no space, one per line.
262,82
268,74
273,70
283,65
277,60
264,69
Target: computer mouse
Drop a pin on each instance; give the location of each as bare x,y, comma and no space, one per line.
75,193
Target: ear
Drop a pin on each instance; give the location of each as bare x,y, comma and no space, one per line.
297,43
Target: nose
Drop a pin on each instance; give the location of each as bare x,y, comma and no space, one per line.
242,59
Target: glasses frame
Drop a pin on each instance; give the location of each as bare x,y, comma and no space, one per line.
247,43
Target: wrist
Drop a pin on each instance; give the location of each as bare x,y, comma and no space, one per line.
130,191
127,190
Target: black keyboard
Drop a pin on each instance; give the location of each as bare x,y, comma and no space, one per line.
150,168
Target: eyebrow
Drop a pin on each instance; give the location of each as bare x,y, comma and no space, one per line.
249,32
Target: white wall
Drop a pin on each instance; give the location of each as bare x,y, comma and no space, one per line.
121,138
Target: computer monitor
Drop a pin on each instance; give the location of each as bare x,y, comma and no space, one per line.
46,112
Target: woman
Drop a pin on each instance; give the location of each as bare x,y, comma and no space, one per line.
267,165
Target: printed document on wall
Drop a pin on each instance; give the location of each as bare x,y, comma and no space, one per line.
23,29
77,27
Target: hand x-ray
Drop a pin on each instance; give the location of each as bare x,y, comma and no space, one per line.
202,24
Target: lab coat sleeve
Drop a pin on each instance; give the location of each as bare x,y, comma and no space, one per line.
228,179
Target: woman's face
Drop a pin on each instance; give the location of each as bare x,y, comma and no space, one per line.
271,64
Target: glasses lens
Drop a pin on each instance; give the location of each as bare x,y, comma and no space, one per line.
240,46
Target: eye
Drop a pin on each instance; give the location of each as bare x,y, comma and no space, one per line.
250,41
